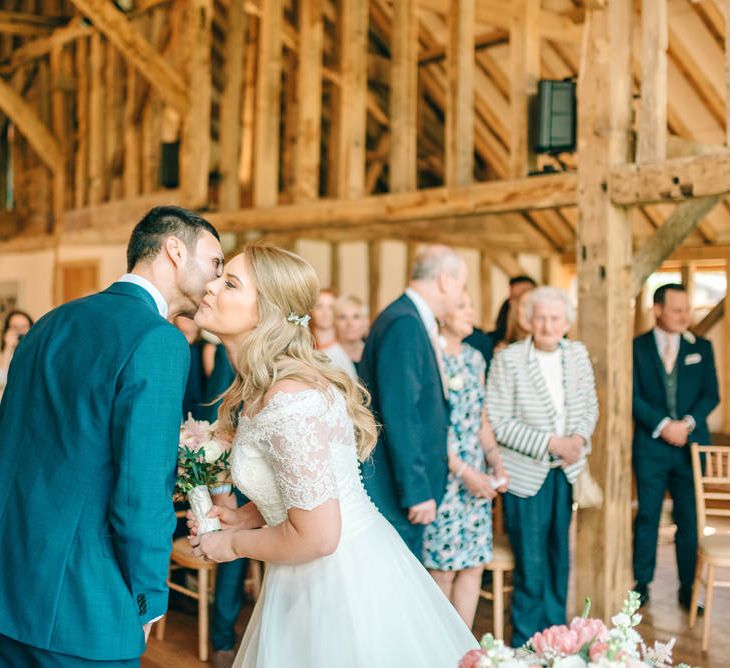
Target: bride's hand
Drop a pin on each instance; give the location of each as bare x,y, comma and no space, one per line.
214,546
228,518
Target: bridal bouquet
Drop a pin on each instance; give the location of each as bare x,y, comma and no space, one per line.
585,643
202,461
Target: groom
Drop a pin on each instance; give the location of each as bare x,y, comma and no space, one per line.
88,446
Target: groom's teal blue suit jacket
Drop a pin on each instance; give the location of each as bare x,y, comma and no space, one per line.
89,426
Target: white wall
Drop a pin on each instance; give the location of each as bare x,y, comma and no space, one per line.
33,272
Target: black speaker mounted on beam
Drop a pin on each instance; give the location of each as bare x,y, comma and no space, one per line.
554,117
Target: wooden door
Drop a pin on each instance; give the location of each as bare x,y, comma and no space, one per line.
77,279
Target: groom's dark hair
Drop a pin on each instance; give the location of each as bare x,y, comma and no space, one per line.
159,223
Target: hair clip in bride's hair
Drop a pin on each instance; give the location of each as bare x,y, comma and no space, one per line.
301,320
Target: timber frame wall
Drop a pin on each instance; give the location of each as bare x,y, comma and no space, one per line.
281,137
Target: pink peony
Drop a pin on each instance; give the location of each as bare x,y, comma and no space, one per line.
557,640
598,651
588,630
472,658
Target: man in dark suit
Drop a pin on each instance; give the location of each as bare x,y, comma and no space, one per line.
675,389
402,365
88,453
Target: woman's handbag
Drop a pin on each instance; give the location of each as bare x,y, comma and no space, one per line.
587,493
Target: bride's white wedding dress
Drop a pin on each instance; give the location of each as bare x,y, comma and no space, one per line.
370,604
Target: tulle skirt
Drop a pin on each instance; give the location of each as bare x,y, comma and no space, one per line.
371,604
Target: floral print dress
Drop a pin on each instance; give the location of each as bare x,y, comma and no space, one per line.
461,535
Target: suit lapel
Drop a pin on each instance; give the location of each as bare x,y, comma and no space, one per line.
652,353
684,349
407,301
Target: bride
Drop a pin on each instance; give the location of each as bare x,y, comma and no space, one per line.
341,588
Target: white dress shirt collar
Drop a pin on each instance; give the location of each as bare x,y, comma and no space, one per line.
666,341
424,310
150,287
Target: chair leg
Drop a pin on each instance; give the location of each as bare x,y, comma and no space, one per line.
255,567
708,606
498,603
160,628
203,614
695,591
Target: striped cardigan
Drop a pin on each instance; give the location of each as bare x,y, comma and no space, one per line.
523,417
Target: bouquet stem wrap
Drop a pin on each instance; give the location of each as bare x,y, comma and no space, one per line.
200,504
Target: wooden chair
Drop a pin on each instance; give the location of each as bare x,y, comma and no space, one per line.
182,557
712,494
502,561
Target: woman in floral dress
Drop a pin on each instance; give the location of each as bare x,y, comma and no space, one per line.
459,541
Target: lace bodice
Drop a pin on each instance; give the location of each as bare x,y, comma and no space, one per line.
298,452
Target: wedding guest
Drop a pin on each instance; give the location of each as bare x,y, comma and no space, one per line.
518,326
325,336
351,326
675,389
542,404
517,286
459,542
17,325
402,366
194,397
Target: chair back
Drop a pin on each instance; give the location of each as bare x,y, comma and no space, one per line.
712,486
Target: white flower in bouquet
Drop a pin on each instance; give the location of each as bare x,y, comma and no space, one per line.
213,450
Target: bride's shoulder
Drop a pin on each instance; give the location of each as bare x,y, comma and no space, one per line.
293,397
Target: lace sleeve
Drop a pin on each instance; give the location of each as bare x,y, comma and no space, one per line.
300,455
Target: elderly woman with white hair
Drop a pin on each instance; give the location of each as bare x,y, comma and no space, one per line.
542,404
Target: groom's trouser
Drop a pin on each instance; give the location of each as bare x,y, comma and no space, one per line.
14,654
538,529
228,600
670,469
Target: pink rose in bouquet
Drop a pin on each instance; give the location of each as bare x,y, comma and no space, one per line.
473,659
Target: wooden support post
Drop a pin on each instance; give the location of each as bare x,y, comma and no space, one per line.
639,311
404,97
460,93
268,105
353,49
685,218
411,248
373,278
230,131
131,136
485,289
603,545
727,74
248,110
335,267
725,394
58,114
195,144
653,119
309,98
687,272
96,122
525,73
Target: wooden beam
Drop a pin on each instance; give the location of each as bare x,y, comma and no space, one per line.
335,267
717,314
507,263
524,52
195,146
136,50
132,130
683,220
411,248
26,23
38,48
230,124
491,197
653,119
96,172
353,98
81,158
603,546
31,127
374,259
485,289
60,131
309,101
268,94
727,96
404,97
671,180
459,121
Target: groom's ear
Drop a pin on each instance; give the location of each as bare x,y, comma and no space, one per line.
176,250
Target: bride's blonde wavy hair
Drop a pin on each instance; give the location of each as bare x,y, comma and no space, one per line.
278,349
